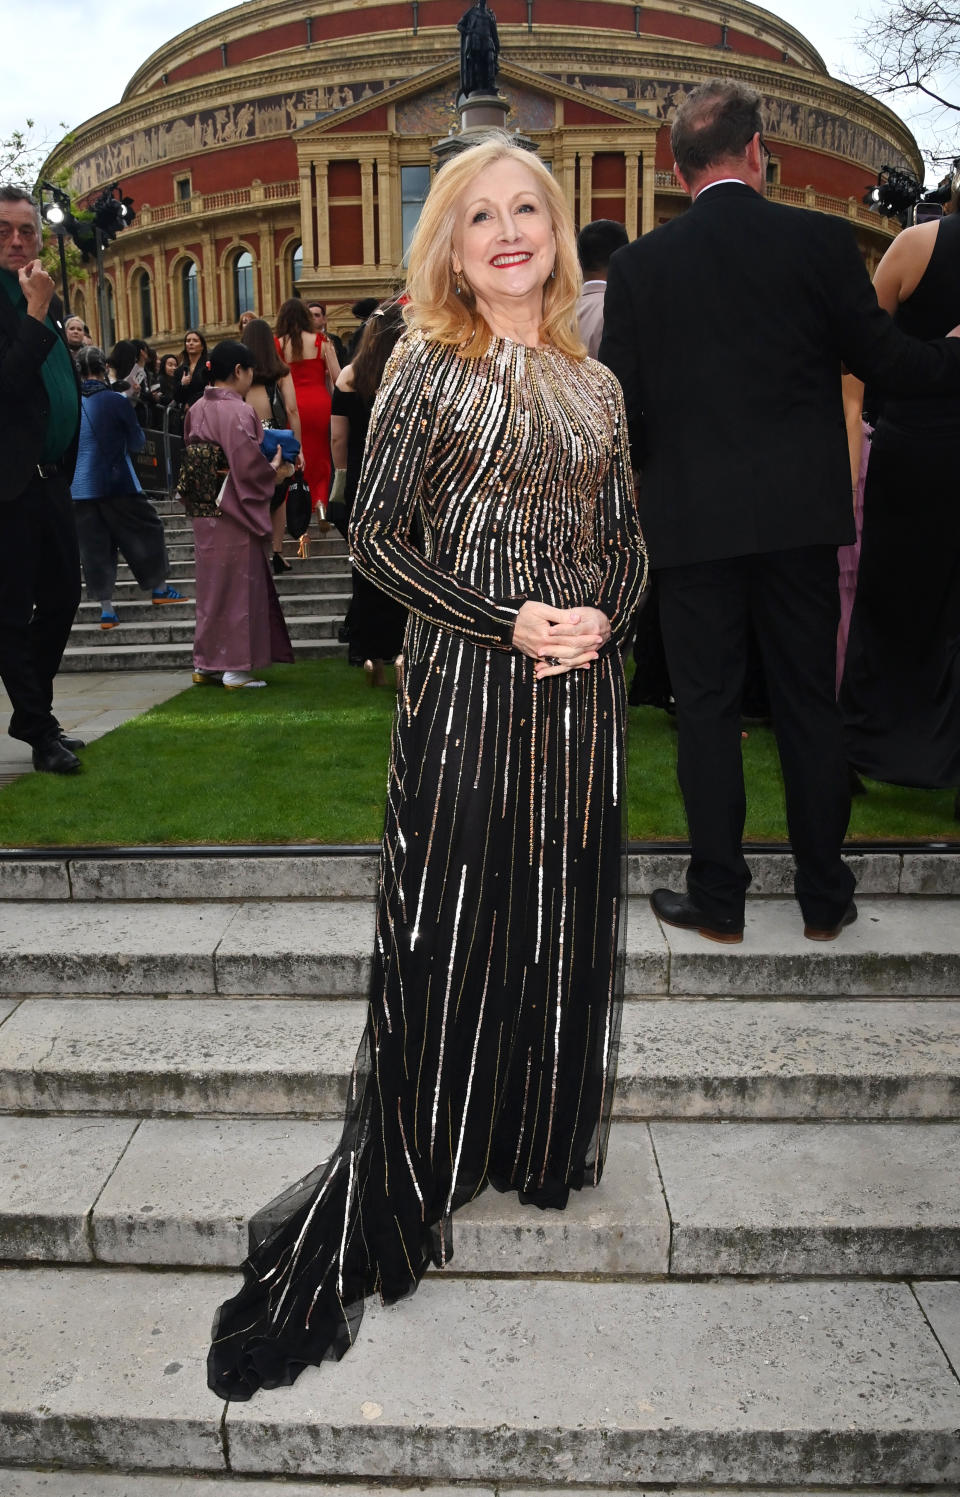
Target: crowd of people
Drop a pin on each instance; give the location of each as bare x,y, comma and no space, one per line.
296,366
505,495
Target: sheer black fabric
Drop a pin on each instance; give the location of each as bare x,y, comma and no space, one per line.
489,1054
900,694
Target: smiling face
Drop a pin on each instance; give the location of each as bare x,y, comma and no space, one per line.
504,244
170,365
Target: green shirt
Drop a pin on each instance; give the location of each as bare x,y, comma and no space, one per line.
58,377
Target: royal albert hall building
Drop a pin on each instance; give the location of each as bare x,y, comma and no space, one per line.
286,145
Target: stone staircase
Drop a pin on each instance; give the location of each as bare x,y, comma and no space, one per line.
314,597
762,1297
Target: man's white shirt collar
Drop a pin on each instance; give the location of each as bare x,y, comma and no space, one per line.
721,182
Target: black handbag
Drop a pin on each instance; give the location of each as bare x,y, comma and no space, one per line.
299,508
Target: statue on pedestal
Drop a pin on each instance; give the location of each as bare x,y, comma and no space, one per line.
479,50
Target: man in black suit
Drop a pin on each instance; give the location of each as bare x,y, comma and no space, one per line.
727,328
39,422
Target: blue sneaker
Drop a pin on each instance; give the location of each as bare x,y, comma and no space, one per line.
108,620
163,595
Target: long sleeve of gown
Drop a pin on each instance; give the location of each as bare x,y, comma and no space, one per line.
397,479
619,538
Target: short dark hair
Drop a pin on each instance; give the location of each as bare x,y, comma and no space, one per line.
123,356
14,194
715,122
597,241
321,304
225,357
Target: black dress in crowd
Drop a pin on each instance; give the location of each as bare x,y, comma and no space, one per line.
490,1048
199,379
900,694
375,622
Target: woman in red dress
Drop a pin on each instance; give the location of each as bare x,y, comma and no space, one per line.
311,359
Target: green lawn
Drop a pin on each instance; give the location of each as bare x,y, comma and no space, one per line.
305,761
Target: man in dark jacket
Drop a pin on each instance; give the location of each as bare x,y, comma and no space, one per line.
39,420
727,329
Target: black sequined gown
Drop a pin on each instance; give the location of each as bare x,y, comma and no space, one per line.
490,1048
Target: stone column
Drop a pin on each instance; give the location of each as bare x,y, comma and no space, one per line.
322,260
268,272
385,204
632,189
306,217
366,198
161,287
586,187
648,218
208,301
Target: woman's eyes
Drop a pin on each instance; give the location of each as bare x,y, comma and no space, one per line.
484,213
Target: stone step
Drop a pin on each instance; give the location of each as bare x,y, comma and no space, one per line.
834,1200
161,629
899,947
763,1060
23,1483
138,609
121,657
500,1381
180,1193
298,581
181,571
314,873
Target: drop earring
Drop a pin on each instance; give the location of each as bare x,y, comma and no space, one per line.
459,284
553,274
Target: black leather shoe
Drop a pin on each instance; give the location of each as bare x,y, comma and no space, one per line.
830,932
51,757
71,743
681,911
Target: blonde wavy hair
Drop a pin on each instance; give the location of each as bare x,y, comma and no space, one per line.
435,309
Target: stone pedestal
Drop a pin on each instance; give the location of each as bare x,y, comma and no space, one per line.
479,114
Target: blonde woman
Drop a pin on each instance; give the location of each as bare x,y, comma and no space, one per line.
496,504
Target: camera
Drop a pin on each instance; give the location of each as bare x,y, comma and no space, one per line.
899,194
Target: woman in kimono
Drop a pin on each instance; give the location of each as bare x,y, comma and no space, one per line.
240,628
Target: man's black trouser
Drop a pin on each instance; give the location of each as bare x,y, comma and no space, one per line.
39,597
792,600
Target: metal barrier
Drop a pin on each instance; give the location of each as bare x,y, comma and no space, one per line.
158,464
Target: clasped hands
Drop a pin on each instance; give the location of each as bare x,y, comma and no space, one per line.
560,639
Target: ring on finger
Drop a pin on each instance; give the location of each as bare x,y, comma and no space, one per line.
551,660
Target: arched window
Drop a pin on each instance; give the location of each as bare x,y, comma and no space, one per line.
296,268
110,325
141,290
191,294
243,283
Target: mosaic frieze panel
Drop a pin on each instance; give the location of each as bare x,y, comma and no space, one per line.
783,118
434,112
190,133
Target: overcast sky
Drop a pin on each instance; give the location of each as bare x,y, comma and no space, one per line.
92,51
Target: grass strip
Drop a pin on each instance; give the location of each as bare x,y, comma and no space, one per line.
306,761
